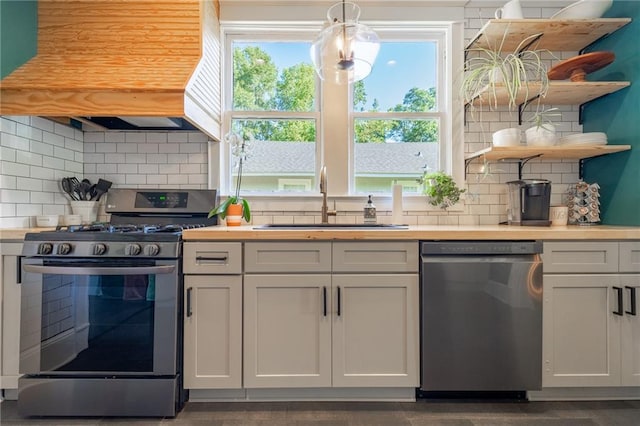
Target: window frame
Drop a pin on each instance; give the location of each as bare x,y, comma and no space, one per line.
333,152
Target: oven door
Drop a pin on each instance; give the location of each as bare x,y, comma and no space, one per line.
104,317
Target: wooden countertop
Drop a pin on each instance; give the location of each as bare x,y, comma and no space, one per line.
18,234
435,232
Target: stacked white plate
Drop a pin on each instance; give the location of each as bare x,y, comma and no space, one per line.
591,138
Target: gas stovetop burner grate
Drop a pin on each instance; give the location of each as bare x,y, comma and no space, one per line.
129,228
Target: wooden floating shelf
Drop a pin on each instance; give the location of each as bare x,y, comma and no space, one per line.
559,93
546,152
557,35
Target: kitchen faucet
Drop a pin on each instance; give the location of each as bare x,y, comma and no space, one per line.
323,189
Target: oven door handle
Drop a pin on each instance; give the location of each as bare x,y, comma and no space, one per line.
71,270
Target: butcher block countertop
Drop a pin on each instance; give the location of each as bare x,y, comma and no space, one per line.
434,232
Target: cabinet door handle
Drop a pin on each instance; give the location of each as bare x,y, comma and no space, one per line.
339,303
620,310
632,296
189,313
324,301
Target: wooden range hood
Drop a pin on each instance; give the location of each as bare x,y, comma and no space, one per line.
122,58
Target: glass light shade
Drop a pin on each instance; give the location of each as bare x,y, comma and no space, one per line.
344,52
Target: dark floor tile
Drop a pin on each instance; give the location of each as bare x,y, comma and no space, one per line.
531,422
439,422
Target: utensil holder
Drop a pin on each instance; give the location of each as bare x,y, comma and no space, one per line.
88,210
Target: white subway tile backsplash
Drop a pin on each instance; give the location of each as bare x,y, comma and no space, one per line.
127,147
14,196
41,148
169,148
106,147
149,148
7,154
114,137
14,141
41,173
53,139
38,122
157,158
135,179
134,138
127,168
15,169
8,182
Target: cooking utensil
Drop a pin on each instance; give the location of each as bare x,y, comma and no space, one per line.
101,187
67,187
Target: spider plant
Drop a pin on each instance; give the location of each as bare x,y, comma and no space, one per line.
492,71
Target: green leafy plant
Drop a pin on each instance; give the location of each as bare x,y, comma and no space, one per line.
239,149
490,71
542,118
441,189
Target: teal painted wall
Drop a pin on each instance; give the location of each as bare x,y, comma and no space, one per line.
618,115
18,33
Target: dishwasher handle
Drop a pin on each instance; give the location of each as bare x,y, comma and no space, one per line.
481,258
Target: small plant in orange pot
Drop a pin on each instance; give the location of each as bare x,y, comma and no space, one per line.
235,208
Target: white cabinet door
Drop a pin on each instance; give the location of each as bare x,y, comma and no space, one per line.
10,316
213,332
581,335
630,333
287,330
375,330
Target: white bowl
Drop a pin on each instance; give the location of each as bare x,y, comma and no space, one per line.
539,136
47,221
584,9
507,137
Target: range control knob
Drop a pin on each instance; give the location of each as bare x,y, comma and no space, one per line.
99,249
132,249
151,250
45,248
64,248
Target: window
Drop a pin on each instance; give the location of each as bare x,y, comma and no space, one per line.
391,127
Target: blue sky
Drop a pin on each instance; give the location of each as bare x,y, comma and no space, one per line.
401,65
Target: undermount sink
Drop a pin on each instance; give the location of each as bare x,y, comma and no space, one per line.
330,226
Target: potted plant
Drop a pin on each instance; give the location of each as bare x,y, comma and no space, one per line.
543,131
492,72
441,189
235,208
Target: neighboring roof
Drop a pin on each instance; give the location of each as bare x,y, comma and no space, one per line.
295,158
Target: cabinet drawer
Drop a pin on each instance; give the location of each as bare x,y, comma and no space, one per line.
212,258
630,256
380,256
287,257
580,257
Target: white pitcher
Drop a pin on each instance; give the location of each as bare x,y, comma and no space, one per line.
511,10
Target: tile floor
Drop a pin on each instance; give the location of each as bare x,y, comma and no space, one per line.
423,412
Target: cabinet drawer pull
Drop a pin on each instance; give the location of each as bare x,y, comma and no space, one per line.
339,303
213,259
632,297
189,313
324,301
620,310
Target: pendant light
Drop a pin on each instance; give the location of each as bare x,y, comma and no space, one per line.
345,50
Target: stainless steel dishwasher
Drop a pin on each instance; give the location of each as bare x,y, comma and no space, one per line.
481,316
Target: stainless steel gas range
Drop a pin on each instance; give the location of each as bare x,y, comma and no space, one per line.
101,312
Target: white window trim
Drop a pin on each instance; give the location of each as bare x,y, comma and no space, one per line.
336,144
